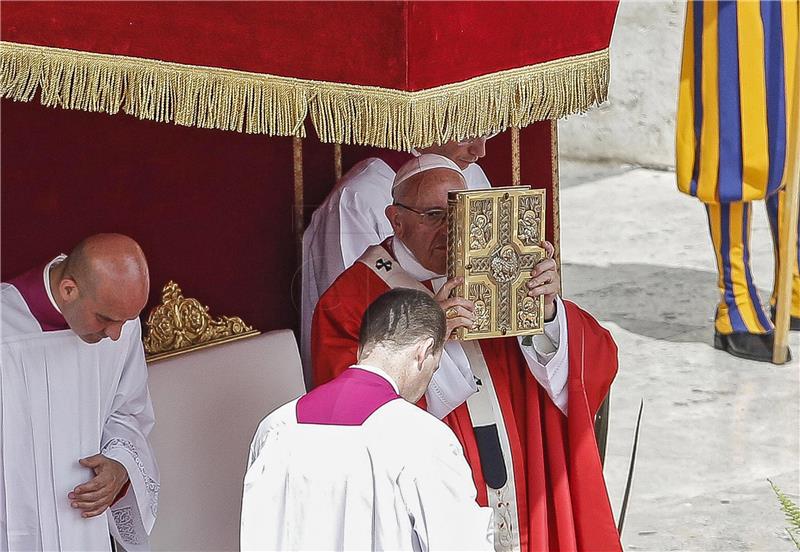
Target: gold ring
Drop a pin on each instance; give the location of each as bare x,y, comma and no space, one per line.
452,312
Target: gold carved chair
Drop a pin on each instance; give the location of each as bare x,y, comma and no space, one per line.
211,382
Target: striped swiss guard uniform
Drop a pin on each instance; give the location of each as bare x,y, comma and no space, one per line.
734,111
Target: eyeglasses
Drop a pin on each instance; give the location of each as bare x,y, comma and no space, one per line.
431,217
471,141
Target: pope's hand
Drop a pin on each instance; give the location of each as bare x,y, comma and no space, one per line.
545,281
459,312
97,494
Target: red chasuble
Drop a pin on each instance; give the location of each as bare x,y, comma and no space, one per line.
562,501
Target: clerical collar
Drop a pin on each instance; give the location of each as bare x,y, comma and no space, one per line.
47,268
410,264
378,372
34,286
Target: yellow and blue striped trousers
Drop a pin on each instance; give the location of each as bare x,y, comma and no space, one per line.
734,111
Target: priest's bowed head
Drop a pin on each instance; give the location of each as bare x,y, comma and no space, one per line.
103,283
403,333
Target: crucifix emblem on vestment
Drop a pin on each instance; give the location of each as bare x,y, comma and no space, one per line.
383,264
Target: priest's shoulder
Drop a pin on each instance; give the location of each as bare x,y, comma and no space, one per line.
17,319
274,422
412,427
366,175
475,174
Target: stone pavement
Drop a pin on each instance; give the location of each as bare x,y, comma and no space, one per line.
636,253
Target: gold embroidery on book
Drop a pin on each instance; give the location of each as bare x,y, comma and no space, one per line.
494,239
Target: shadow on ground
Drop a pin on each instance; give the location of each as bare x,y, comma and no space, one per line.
672,304
575,172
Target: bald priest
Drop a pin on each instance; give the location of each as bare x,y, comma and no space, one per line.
75,412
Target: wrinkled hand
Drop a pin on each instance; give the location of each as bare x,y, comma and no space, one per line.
545,281
458,312
97,494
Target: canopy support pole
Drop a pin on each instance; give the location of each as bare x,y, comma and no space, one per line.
337,161
516,177
788,222
299,226
555,200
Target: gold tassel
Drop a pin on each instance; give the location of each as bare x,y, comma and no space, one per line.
254,103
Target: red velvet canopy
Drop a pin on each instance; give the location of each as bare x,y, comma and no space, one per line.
402,45
392,74
216,211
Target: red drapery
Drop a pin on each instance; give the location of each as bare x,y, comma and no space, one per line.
212,209
404,45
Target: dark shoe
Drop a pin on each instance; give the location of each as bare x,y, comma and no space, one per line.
794,321
747,345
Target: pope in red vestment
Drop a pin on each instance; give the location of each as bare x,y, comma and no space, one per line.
526,425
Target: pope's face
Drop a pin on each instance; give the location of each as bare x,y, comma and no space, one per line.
425,238
462,154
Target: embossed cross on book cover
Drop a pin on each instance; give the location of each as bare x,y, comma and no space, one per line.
493,242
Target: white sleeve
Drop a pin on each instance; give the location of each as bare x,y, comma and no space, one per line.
309,294
548,358
476,178
125,440
452,384
333,241
262,525
360,225
439,495
256,532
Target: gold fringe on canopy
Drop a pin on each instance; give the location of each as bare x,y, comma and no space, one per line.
225,99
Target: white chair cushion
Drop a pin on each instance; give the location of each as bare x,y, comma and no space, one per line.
208,404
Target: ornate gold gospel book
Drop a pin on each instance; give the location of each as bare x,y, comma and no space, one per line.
493,243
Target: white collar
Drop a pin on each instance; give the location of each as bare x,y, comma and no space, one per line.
378,372
410,264
58,260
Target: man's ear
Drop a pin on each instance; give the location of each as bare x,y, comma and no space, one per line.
424,350
392,213
68,290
